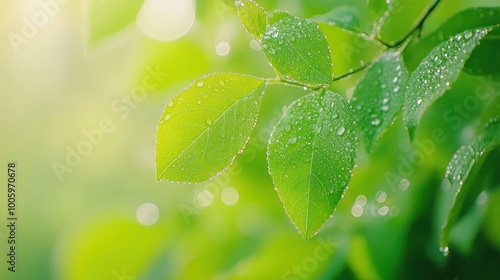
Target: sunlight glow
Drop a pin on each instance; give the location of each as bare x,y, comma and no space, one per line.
166,20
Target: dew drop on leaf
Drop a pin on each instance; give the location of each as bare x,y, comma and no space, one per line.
200,84
341,130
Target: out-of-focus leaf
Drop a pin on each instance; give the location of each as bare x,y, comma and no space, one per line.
460,168
165,63
311,154
435,74
346,17
379,96
204,126
350,50
110,16
109,249
253,17
276,15
298,50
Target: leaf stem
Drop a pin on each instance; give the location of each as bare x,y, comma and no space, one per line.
418,28
281,81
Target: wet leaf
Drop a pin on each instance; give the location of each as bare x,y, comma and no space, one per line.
204,126
466,161
298,50
481,61
435,74
253,17
379,96
310,156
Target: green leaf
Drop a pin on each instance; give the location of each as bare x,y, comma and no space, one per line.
350,50
466,161
439,69
204,126
480,61
379,96
485,59
310,156
298,50
378,7
108,17
253,17
346,17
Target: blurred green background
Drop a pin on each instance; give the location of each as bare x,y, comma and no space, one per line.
83,86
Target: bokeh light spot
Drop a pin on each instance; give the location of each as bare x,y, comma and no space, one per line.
147,214
230,196
223,48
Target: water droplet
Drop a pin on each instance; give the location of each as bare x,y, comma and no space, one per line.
419,101
317,129
445,250
199,102
205,94
167,117
384,108
292,140
395,79
341,130
200,84
396,89
208,121
288,128
375,122
170,103
221,82
335,115
385,100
